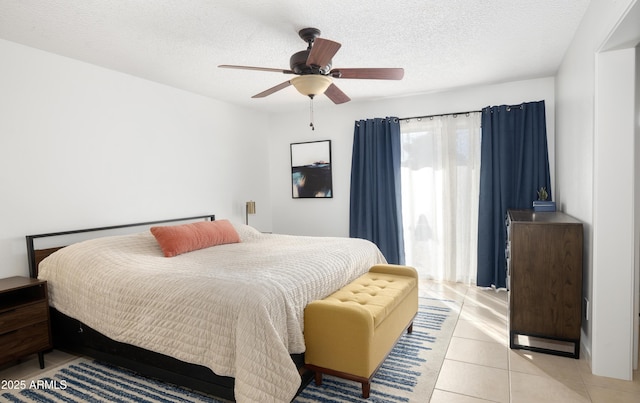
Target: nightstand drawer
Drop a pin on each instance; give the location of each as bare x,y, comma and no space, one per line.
23,316
24,319
24,341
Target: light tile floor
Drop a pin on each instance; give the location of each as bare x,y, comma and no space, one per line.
479,366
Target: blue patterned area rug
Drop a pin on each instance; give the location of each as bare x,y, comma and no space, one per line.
85,380
408,375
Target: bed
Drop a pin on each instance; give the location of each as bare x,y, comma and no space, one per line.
226,320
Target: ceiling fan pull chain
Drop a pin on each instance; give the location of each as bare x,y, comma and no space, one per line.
311,112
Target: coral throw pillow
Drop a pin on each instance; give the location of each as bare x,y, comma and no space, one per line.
177,239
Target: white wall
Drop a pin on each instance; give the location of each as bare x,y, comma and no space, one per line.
82,146
583,192
636,316
613,226
330,217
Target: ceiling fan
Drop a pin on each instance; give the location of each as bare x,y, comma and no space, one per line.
314,73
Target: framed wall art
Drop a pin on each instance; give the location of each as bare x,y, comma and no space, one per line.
311,170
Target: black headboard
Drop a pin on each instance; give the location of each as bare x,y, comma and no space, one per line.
35,257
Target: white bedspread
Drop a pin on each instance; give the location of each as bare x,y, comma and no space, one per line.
236,308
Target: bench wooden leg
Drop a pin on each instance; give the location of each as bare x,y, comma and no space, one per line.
410,328
366,389
318,378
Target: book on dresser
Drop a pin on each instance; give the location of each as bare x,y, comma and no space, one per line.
544,278
24,319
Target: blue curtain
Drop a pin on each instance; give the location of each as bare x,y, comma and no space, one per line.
375,211
514,165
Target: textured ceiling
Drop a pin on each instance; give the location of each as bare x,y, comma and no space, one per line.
441,44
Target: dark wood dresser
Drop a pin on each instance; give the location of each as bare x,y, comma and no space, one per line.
544,277
24,319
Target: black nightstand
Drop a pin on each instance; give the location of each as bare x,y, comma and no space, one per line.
24,319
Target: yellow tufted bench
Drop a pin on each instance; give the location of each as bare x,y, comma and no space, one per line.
350,333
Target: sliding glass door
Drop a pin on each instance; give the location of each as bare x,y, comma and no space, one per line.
440,182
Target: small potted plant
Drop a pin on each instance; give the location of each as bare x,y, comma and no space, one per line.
542,204
543,194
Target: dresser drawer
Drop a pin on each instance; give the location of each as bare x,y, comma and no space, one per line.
23,316
24,341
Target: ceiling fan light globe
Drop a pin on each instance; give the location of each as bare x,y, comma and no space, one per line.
311,84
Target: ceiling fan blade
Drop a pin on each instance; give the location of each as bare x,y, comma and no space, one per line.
369,73
230,66
322,52
336,95
272,90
